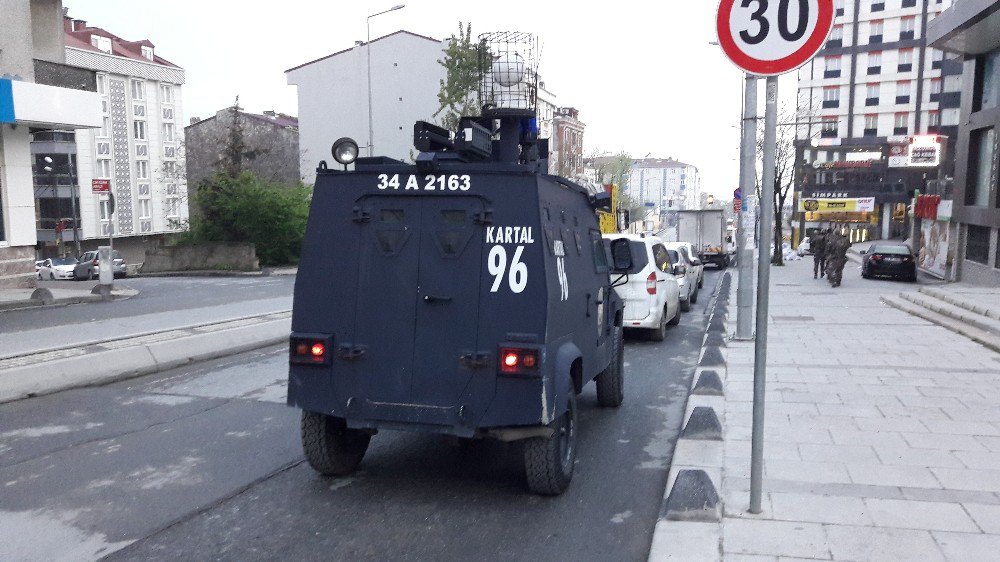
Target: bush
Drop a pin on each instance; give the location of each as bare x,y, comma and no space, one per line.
245,209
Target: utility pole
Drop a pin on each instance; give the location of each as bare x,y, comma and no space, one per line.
748,171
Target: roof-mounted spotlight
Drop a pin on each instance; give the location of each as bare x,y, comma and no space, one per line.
345,151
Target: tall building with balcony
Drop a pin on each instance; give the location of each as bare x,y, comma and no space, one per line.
139,149
862,100
40,95
663,185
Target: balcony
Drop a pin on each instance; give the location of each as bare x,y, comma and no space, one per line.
935,97
870,132
906,35
831,73
875,39
869,102
831,104
951,100
828,133
65,76
905,67
901,130
902,100
872,70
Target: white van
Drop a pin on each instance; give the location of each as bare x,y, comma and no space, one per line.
652,295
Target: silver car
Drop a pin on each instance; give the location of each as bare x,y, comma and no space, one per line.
89,267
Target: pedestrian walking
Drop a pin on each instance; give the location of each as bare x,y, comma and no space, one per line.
836,257
817,244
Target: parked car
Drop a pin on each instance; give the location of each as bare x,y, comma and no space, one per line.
89,267
38,265
687,280
57,268
652,295
889,259
693,262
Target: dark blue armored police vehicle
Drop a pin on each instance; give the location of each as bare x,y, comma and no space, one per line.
468,294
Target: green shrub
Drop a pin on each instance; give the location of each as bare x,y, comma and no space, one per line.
246,209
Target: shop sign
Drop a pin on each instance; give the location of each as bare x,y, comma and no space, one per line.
859,205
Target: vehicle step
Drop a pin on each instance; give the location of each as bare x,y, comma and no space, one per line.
980,336
957,300
954,312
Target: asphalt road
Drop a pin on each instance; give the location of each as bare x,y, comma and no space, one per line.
205,463
163,303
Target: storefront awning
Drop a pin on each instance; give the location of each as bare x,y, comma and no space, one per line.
38,105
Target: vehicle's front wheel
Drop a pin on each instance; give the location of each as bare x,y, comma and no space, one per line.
52,276
686,305
676,319
701,283
864,273
332,448
548,462
694,296
611,381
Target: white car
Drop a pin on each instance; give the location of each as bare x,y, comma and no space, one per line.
57,268
693,263
686,275
652,294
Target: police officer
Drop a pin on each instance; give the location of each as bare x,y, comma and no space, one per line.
836,256
817,244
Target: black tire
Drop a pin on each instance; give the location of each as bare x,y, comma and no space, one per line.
864,273
694,296
676,319
548,462
52,276
701,283
660,331
332,448
611,381
686,306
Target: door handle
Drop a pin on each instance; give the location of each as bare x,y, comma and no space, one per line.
433,298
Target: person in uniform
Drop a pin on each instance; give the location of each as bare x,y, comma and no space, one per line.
817,245
836,257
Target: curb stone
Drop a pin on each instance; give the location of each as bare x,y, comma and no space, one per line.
690,522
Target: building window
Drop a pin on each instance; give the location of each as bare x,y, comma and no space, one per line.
981,152
141,169
934,89
878,6
144,209
102,84
147,52
875,32
169,152
872,94
988,79
105,209
829,127
977,248
172,208
838,5
902,92
104,148
168,132
103,44
831,67
104,169
874,63
905,60
937,58
138,90
139,130
901,124
139,110
166,93
836,38
105,127
168,113
831,97
142,150
909,3
933,121
906,28
871,125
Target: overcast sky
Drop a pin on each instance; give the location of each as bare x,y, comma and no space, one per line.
642,74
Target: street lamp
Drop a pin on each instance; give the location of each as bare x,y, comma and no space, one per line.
368,48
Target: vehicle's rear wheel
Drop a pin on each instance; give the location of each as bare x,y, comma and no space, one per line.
660,331
701,283
686,305
694,296
865,274
611,381
548,462
52,276
676,319
332,448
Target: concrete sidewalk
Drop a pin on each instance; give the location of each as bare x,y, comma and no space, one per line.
13,299
882,434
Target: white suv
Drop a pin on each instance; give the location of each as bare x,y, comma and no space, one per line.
652,296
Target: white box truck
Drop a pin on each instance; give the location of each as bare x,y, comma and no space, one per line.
707,231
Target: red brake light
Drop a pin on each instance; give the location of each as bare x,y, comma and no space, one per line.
309,350
516,361
318,350
651,283
876,257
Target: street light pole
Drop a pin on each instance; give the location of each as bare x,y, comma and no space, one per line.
368,51
748,170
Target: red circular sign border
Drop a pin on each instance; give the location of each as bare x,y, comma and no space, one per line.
779,66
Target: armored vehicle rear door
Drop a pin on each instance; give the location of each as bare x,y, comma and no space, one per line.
418,298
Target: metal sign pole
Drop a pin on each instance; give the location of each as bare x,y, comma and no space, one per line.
748,171
763,282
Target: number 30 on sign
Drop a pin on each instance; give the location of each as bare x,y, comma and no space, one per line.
771,37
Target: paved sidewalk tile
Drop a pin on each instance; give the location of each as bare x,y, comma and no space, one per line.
908,456
750,536
884,475
986,516
942,443
820,509
968,547
967,479
873,543
929,516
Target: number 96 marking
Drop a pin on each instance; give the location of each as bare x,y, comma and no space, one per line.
497,265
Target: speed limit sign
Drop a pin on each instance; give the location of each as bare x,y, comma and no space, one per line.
771,37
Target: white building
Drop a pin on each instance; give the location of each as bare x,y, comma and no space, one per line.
333,97
40,93
139,147
664,184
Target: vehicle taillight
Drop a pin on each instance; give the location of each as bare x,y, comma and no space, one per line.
876,257
651,283
517,361
96,262
309,350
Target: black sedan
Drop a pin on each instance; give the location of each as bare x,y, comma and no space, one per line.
889,259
